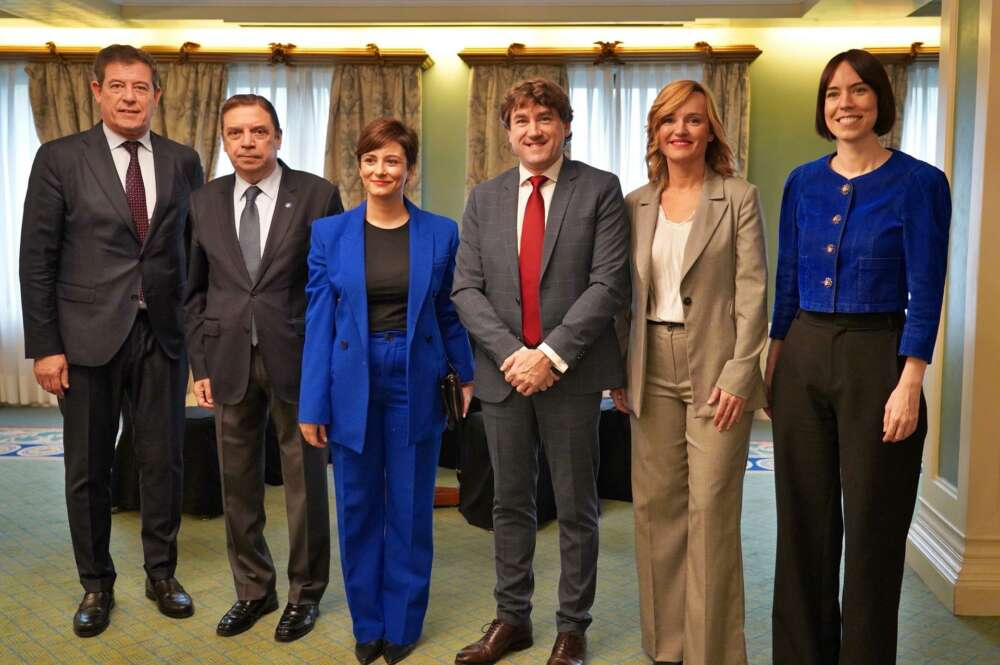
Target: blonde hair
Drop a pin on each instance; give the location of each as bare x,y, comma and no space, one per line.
719,156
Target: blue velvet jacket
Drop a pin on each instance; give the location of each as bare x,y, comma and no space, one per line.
875,243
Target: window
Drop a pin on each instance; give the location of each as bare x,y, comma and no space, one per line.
18,144
920,112
610,104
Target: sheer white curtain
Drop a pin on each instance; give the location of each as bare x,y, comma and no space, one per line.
610,104
301,96
920,113
18,144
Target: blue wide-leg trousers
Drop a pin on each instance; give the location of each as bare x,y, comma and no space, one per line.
385,501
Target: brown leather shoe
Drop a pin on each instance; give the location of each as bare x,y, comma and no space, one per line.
499,639
569,649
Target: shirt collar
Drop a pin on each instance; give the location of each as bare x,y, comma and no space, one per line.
268,185
115,140
552,173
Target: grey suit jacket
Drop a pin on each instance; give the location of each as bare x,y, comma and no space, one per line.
584,281
81,260
220,296
723,288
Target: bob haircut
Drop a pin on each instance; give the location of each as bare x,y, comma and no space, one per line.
718,155
382,131
871,72
543,92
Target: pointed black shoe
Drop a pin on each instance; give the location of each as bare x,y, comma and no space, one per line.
244,614
94,613
393,653
368,652
171,598
296,621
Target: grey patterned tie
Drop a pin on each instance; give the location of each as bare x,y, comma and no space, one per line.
250,244
250,232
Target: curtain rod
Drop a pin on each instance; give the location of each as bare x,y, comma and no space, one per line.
602,52
906,54
276,53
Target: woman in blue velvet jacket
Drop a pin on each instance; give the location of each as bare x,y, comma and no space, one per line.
381,333
862,253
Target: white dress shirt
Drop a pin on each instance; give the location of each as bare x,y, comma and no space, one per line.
121,157
669,241
523,193
265,201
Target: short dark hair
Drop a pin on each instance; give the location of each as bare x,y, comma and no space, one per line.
543,92
250,100
124,54
382,131
871,72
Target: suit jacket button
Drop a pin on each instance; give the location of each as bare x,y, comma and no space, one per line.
133,297
687,300
429,338
343,343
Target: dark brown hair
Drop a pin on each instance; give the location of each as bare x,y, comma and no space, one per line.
382,131
871,71
543,92
250,100
124,54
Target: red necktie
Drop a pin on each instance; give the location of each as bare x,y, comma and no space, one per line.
135,192
530,263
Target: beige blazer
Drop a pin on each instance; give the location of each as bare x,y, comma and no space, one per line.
723,288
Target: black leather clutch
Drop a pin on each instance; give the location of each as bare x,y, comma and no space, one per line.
451,393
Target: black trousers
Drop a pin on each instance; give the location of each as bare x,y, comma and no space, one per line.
154,385
838,485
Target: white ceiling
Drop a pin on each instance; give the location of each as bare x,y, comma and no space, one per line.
100,13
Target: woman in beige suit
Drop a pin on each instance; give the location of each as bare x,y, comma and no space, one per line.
695,330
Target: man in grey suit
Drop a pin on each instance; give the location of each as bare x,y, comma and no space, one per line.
246,305
541,272
102,273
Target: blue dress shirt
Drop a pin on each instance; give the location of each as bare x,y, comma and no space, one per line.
875,243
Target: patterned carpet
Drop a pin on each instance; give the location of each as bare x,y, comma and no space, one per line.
39,590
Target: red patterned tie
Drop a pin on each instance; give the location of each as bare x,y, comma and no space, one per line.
530,263
135,191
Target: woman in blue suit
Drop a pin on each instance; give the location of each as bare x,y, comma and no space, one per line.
381,333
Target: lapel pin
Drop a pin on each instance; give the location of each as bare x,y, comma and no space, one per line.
288,205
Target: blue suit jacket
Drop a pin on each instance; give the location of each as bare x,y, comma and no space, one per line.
335,381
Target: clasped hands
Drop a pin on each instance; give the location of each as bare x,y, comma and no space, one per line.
529,370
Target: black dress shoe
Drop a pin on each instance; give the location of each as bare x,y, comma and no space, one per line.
94,613
170,597
393,653
244,614
295,621
368,652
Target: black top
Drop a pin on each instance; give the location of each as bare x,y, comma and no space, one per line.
387,272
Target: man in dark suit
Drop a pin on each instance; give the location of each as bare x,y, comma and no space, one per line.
102,279
246,304
541,271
